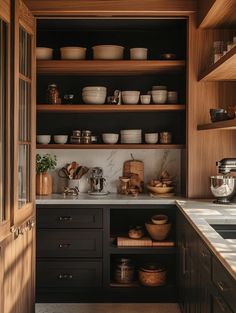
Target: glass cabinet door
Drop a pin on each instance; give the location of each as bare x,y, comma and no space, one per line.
4,119
24,113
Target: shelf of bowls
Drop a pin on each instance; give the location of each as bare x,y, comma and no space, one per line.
98,94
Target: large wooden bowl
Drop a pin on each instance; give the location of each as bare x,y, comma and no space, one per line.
160,190
158,232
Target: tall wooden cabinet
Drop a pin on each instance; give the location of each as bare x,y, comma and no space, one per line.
17,234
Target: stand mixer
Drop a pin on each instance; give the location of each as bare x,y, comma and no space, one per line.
223,187
97,182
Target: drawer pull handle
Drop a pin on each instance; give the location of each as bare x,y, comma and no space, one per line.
221,304
65,276
64,245
222,286
65,218
204,254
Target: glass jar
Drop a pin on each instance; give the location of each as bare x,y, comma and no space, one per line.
53,96
124,271
165,137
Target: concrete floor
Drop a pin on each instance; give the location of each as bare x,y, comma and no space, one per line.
107,308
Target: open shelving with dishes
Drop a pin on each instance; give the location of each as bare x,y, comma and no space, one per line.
110,146
136,258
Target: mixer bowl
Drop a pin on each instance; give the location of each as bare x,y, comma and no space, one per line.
223,188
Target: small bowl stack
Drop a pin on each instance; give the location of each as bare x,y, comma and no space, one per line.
94,94
131,136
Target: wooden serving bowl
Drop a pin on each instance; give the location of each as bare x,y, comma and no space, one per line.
158,232
160,190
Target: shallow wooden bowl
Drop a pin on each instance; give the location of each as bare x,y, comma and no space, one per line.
160,190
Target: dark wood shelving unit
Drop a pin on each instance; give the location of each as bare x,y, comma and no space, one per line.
224,125
86,108
223,70
111,146
107,67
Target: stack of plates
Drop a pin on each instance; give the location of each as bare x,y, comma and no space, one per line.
131,136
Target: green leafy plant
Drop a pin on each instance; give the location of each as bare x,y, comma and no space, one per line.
45,162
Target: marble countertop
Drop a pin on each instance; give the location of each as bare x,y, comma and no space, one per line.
200,213
112,198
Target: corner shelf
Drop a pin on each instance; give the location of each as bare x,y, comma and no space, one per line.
224,125
107,146
86,108
108,67
223,70
220,14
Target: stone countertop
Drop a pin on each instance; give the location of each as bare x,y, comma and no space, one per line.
110,199
200,213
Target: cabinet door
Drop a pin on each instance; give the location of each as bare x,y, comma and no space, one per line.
4,117
24,114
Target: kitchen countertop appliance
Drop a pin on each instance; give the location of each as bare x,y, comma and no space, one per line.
223,187
97,182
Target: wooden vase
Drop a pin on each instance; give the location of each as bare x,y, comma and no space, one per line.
43,184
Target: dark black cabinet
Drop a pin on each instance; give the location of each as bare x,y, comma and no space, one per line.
204,284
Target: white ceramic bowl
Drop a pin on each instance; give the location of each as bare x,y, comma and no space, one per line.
130,97
108,52
110,138
60,139
73,53
159,96
94,99
131,131
151,138
145,99
94,88
94,93
43,139
43,53
138,53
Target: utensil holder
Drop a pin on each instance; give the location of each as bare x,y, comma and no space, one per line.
72,183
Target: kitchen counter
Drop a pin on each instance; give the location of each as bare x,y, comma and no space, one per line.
200,213
112,198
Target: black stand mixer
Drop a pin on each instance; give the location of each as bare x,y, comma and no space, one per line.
223,187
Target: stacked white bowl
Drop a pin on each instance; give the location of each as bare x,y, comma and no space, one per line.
130,96
131,136
94,94
159,94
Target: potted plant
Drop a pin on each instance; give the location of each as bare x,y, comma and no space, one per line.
44,163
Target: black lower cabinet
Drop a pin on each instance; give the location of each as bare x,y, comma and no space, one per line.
204,285
77,254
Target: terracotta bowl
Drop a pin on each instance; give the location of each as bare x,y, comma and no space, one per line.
158,232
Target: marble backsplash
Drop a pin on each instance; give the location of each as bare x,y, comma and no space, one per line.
112,163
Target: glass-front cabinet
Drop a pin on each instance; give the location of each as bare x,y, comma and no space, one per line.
4,119
24,113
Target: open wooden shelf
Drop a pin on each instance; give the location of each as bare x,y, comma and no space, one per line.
224,69
107,146
218,14
86,108
229,124
142,250
107,67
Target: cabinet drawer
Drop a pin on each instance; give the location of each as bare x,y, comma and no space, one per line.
219,305
205,258
69,243
73,273
69,218
225,284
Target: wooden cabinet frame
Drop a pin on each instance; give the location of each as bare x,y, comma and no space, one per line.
23,18
5,224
